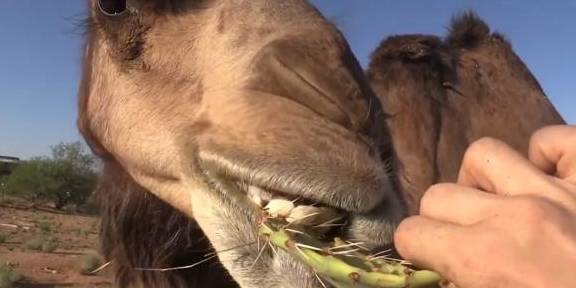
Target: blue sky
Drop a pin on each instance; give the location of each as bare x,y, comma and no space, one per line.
41,47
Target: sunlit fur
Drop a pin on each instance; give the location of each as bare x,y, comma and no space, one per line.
442,94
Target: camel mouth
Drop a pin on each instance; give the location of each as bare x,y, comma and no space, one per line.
315,219
258,185
247,209
373,231
330,176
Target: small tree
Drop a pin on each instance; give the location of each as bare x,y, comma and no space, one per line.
32,181
68,177
3,187
74,168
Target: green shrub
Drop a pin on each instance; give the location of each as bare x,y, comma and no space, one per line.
8,276
34,244
84,232
3,238
41,243
45,226
68,177
49,246
89,264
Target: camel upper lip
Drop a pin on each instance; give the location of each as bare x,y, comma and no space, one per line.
336,188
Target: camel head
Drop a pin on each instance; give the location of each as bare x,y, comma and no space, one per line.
199,101
443,93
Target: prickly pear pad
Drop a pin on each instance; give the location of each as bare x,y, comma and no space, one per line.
343,264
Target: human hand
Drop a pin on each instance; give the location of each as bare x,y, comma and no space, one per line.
522,233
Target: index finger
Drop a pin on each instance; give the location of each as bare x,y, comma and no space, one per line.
493,166
553,150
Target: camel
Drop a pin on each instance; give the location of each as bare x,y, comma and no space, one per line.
441,95
191,104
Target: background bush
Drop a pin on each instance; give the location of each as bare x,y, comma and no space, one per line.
8,276
67,177
42,243
89,264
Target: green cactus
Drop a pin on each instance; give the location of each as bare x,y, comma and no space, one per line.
342,264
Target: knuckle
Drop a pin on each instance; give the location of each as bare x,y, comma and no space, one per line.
483,145
539,135
548,135
480,148
405,230
405,235
546,131
478,152
435,193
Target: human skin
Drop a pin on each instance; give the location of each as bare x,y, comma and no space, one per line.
507,222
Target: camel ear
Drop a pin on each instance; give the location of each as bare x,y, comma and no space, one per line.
112,7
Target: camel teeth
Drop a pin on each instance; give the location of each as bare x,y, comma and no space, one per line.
279,207
314,216
259,196
254,196
304,215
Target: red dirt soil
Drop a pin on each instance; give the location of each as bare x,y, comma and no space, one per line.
76,236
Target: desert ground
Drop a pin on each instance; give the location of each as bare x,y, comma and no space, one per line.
44,247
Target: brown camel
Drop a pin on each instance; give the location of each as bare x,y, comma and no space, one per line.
443,94
191,104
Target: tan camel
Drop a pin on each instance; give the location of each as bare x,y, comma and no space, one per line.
192,103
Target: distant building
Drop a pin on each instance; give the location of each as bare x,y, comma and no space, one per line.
7,164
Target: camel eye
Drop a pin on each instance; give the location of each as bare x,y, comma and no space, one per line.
112,7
